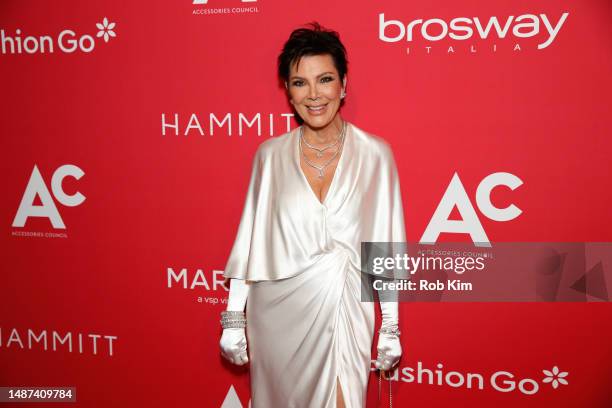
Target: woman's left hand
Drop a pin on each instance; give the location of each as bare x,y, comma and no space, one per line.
389,351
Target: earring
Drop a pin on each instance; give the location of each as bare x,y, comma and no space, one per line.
343,94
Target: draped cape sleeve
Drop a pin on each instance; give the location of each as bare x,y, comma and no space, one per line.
387,213
384,214
238,262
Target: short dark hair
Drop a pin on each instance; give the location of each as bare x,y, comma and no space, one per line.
312,41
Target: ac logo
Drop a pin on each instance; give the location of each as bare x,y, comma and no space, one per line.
36,186
455,194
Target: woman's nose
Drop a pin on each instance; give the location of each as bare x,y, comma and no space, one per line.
314,93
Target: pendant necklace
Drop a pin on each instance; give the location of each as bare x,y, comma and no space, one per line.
322,167
320,150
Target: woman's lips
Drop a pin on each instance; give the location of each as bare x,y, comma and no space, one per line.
317,110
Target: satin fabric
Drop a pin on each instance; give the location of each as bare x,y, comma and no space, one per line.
306,323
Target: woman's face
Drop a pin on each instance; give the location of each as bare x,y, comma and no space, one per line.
315,89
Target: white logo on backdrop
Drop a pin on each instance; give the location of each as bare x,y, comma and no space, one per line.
229,124
53,340
555,377
502,381
67,41
460,29
223,9
106,29
232,401
37,187
197,280
455,195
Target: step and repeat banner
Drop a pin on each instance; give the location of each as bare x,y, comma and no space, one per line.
128,133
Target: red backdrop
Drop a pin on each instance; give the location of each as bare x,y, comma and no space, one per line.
123,185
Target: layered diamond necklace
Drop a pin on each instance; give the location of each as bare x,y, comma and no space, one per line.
320,150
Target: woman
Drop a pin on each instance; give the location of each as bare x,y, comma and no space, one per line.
314,195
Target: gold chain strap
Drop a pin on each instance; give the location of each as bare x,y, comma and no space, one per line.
388,378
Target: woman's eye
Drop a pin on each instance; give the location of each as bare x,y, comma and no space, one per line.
301,83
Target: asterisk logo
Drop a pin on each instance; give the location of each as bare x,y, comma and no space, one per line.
106,29
555,376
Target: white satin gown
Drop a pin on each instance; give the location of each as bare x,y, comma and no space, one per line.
306,323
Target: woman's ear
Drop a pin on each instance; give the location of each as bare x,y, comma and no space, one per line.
343,91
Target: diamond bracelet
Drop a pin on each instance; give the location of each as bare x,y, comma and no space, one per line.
394,330
233,319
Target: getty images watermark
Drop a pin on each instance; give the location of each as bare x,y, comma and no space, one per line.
505,271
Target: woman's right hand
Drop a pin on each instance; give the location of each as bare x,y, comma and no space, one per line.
234,345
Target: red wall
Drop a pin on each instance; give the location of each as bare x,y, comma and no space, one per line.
142,201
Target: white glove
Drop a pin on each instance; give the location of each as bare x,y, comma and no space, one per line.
389,347
233,341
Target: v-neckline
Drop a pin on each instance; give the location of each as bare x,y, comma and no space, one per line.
338,166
